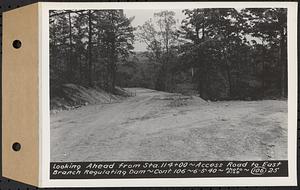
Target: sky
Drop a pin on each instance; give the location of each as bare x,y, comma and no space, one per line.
141,16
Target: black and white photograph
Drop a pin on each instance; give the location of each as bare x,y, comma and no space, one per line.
198,84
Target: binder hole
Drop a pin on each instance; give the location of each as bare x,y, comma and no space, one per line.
16,146
17,44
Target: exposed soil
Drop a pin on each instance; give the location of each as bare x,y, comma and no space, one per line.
160,126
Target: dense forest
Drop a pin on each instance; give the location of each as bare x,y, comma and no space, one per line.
216,53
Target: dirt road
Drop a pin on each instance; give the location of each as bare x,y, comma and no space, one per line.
159,126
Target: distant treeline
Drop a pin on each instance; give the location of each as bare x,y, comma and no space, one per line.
221,53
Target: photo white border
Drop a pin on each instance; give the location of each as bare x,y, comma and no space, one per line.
44,99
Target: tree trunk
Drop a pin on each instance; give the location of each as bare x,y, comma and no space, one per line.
263,69
167,35
228,75
114,76
113,55
197,35
90,81
80,69
200,85
282,64
263,78
70,68
203,32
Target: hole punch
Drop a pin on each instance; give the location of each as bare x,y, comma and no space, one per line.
16,146
17,44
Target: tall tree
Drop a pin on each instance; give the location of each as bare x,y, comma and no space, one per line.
160,36
90,46
101,40
270,25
